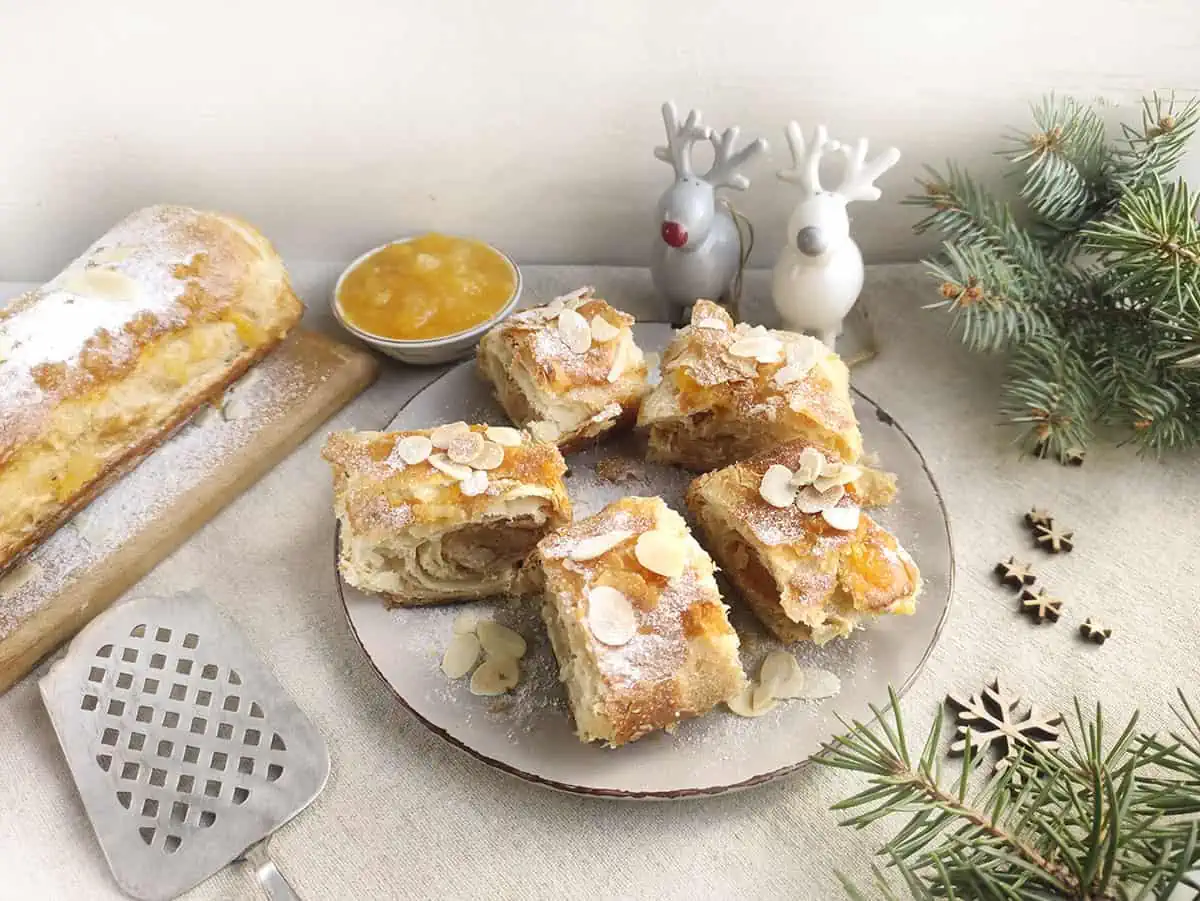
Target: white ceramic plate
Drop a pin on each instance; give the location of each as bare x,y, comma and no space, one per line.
528,733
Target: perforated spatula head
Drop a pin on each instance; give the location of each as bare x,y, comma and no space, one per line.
185,749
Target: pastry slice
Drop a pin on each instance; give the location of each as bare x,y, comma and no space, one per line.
569,371
787,530
729,392
636,621
447,514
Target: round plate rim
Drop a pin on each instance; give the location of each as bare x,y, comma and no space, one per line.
671,794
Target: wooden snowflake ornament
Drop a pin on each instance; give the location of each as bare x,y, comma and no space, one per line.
1095,632
1054,539
1041,606
1038,517
990,718
1015,573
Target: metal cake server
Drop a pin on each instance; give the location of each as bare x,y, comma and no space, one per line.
187,752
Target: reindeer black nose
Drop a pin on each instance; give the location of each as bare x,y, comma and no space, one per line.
674,234
810,241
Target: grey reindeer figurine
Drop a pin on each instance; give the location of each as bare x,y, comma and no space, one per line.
699,251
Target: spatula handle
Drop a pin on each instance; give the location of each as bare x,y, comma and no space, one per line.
270,880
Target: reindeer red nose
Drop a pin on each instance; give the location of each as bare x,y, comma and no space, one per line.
674,234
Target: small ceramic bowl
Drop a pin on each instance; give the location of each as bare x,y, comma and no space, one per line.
428,351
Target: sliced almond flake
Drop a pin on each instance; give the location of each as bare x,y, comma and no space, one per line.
782,674
808,466
830,467
413,449
575,331
465,447
612,411
743,703
776,488
551,310
593,547
495,676
810,500
777,670
661,552
787,375
544,430
465,623
578,295
618,363
103,284
763,348
804,355
717,325
503,435
817,684
603,331
442,435
491,456
455,470
761,697
844,519
474,484
500,641
460,655
610,616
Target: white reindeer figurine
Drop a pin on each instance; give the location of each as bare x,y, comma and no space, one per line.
819,273
699,250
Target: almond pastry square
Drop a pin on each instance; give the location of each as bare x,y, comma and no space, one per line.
787,530
729,392
569,371
445,514
636,621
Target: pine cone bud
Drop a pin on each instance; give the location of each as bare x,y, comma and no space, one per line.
950,290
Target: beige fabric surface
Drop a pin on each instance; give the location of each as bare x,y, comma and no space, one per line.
406,816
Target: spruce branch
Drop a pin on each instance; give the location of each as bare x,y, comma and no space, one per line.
1104,819
1095,293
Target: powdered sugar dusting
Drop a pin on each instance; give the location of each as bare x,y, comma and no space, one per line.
132,506
53,323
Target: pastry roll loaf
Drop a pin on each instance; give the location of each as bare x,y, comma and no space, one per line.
99,365
446,514
728,392
787,530
569,371
636,621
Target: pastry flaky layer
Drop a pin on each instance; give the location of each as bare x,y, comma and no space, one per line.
569,371
419,528
804,578
98,365
636,622
730,391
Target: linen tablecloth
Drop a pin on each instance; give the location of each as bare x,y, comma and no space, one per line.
407,816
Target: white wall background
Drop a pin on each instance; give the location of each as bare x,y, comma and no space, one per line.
334,125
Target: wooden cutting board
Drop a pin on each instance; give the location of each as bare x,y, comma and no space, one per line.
88,563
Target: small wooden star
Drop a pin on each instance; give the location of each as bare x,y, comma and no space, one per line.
1073,456
1054,539
1094,632
1015,573
1041,606
1038,517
